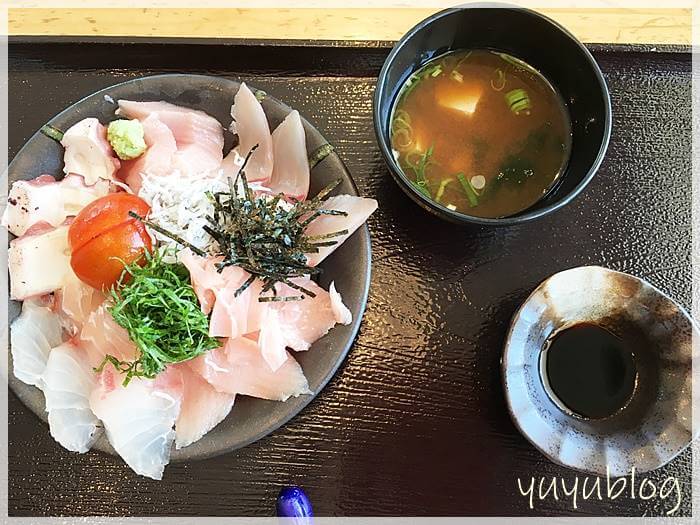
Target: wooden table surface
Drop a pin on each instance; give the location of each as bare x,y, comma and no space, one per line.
634,26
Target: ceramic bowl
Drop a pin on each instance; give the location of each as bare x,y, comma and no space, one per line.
655,425
250,418
531,37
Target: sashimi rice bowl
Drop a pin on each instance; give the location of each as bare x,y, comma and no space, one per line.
162,280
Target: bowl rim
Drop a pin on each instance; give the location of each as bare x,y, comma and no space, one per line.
462,218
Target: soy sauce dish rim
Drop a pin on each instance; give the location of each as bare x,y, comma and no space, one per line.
454,216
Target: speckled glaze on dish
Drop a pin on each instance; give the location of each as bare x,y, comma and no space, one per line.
349,266
655,425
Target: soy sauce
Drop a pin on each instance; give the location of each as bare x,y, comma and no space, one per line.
590,370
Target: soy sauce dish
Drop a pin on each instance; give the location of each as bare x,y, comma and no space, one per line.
491,115
597,370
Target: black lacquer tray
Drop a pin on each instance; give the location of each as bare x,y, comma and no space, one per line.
415,423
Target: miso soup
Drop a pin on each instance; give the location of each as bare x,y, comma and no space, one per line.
481,132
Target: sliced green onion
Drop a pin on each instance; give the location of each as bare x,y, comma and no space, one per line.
441,189
468,190
518,100
422,187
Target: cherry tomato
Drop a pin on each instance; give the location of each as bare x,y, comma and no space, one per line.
104,237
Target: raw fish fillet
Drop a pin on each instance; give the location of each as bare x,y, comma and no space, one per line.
157,160
46,200
199,137
303,322
101,335
87,151
358,210
341,312
139,418
239,368
68,382
202,407
250,124
76,301
32,336
290,173
231,315
39,261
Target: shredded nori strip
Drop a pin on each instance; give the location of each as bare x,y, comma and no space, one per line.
266,240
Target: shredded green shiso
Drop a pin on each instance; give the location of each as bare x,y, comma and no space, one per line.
159,309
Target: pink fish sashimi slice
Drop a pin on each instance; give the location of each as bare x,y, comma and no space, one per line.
101,336
250,124
45,199
139,418
301,323
202,407
157,160
87,151
290,172
39,261
239,368
358,210
231,315
199,137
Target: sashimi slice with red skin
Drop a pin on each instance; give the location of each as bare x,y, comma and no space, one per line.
290,172
46,200
239,368
87,151
157,160
358,210
202,407
250,124
199,137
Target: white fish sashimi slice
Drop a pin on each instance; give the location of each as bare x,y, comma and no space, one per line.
138,419
341,312
101,335
202,408
358,210
32,336
157,160
250,124
290,172
45,199
87,151
68,383
239,368
77,300
30,274
199,137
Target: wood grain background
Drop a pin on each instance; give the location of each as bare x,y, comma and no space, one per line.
655,26
415,422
